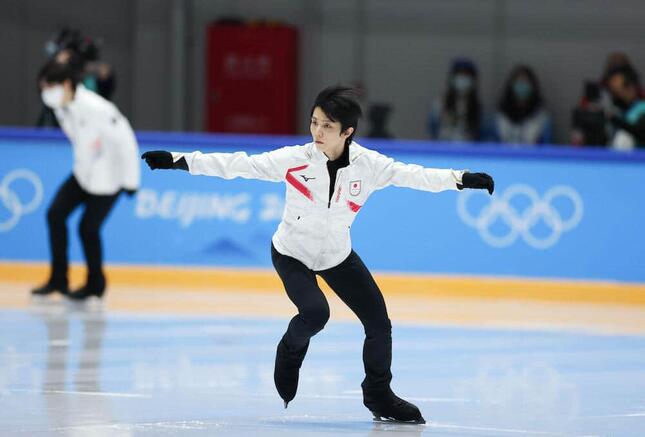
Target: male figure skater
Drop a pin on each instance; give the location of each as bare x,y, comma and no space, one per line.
106,162
328,182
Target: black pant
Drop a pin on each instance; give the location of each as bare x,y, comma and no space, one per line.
70,196
353,283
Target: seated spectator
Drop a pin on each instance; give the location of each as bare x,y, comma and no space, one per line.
629,119
521,116
457,117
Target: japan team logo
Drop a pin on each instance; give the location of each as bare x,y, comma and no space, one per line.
520,212
11,201
355,188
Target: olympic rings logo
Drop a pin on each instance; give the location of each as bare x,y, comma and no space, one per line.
522,223
12,202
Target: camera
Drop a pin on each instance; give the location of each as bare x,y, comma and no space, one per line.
592,91
84,48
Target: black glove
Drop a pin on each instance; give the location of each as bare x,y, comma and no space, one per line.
130,192
477,180
162,159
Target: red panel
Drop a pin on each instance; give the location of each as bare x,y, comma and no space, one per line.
251,79
353,206
297,184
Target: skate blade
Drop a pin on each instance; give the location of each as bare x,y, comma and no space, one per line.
420,421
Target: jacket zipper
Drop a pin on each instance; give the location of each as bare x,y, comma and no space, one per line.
338,173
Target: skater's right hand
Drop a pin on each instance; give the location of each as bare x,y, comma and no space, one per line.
158,159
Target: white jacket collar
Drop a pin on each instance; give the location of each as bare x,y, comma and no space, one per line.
355,150
79,98
315,154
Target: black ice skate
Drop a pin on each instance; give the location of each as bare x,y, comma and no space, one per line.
85,292
95,286
287,370
48,289
388,407
90,289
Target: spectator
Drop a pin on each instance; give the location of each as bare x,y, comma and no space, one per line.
95,75
83,54
615,60
629,119
457,117
591,126
521,116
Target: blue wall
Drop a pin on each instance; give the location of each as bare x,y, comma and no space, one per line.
557,213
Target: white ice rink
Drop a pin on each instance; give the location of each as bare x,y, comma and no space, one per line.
84,371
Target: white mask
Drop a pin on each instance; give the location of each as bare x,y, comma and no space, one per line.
53,96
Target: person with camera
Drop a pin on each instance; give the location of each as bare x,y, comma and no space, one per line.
328,182
84,55
106,163
589,122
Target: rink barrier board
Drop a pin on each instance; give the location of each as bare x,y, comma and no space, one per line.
160,278
424,234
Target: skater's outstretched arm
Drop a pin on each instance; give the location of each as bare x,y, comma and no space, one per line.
391,172
269,166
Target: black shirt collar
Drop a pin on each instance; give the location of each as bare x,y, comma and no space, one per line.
341,161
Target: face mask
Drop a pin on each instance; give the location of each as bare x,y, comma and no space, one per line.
522,89
53,96
462,83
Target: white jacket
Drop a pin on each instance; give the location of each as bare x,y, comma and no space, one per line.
106,154
315,229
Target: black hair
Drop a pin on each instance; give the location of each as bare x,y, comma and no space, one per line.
509,104
473,105
58,72
629,74
339,104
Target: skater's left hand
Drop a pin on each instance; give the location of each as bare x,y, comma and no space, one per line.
164,160
158,159
477,181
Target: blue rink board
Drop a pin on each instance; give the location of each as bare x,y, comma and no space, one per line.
556,213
